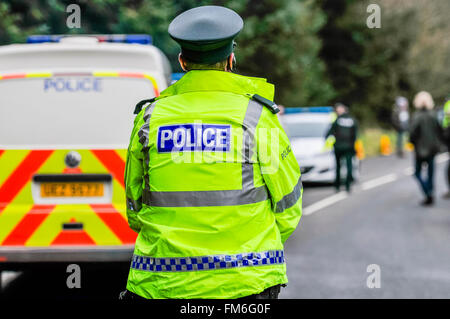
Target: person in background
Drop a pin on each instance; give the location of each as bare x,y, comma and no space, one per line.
446,127
425,134
400,121
344,129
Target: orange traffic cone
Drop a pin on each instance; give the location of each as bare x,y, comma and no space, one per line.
409,147
385,145
359,148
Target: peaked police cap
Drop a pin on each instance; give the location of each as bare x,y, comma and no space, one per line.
206,34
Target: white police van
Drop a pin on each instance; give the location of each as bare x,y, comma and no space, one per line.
93,79
66,116
306,128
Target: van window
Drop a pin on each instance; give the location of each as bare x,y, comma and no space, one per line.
307,129
69,112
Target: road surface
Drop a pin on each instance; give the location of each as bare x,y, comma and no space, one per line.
380,223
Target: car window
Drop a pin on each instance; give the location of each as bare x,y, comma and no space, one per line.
306,129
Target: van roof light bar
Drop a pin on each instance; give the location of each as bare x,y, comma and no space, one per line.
309,109
117,38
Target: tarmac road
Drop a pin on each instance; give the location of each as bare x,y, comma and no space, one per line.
380,223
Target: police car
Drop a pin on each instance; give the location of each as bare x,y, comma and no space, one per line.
306,128
66,115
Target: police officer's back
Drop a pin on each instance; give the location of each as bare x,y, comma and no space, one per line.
212,210
344,129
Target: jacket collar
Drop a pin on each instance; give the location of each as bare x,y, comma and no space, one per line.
211,80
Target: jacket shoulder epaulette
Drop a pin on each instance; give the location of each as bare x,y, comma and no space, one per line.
267,103
141,104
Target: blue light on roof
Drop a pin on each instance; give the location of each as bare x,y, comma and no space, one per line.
309,109
117,38
42,38
177,76
138,38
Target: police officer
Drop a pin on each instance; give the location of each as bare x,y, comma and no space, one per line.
344,129
212,186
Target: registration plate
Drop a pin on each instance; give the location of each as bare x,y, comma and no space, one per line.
72,189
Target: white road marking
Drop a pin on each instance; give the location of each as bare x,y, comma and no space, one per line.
311,209
7,276
324,203
408,171
379,181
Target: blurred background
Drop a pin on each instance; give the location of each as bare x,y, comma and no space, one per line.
316,53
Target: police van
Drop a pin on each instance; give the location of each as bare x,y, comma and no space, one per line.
66,115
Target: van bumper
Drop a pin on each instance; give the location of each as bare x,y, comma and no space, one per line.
24,255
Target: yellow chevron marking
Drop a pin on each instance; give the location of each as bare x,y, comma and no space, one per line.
52,225
90,163
54,164
122,153
9,160
15,211
23,202
118,192
121,208
82,213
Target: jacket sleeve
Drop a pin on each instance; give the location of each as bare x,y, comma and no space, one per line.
281,173
134,175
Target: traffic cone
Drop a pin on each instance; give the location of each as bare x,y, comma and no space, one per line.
409,147
359,148
385,145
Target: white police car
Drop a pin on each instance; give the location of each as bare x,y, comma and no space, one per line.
306,128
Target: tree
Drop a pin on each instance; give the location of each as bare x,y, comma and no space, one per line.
279,40
370,67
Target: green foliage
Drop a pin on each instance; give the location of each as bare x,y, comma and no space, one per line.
370,67
316,52
279,40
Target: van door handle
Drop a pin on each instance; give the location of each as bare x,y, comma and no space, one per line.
72,226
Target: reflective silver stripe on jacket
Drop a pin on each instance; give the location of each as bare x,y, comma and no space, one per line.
290,199
212,262
144,140
144,130
249,194
249,124
206,198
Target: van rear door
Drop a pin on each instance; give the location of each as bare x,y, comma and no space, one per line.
63,140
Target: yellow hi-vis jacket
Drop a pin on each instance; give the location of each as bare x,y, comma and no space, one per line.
213,189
